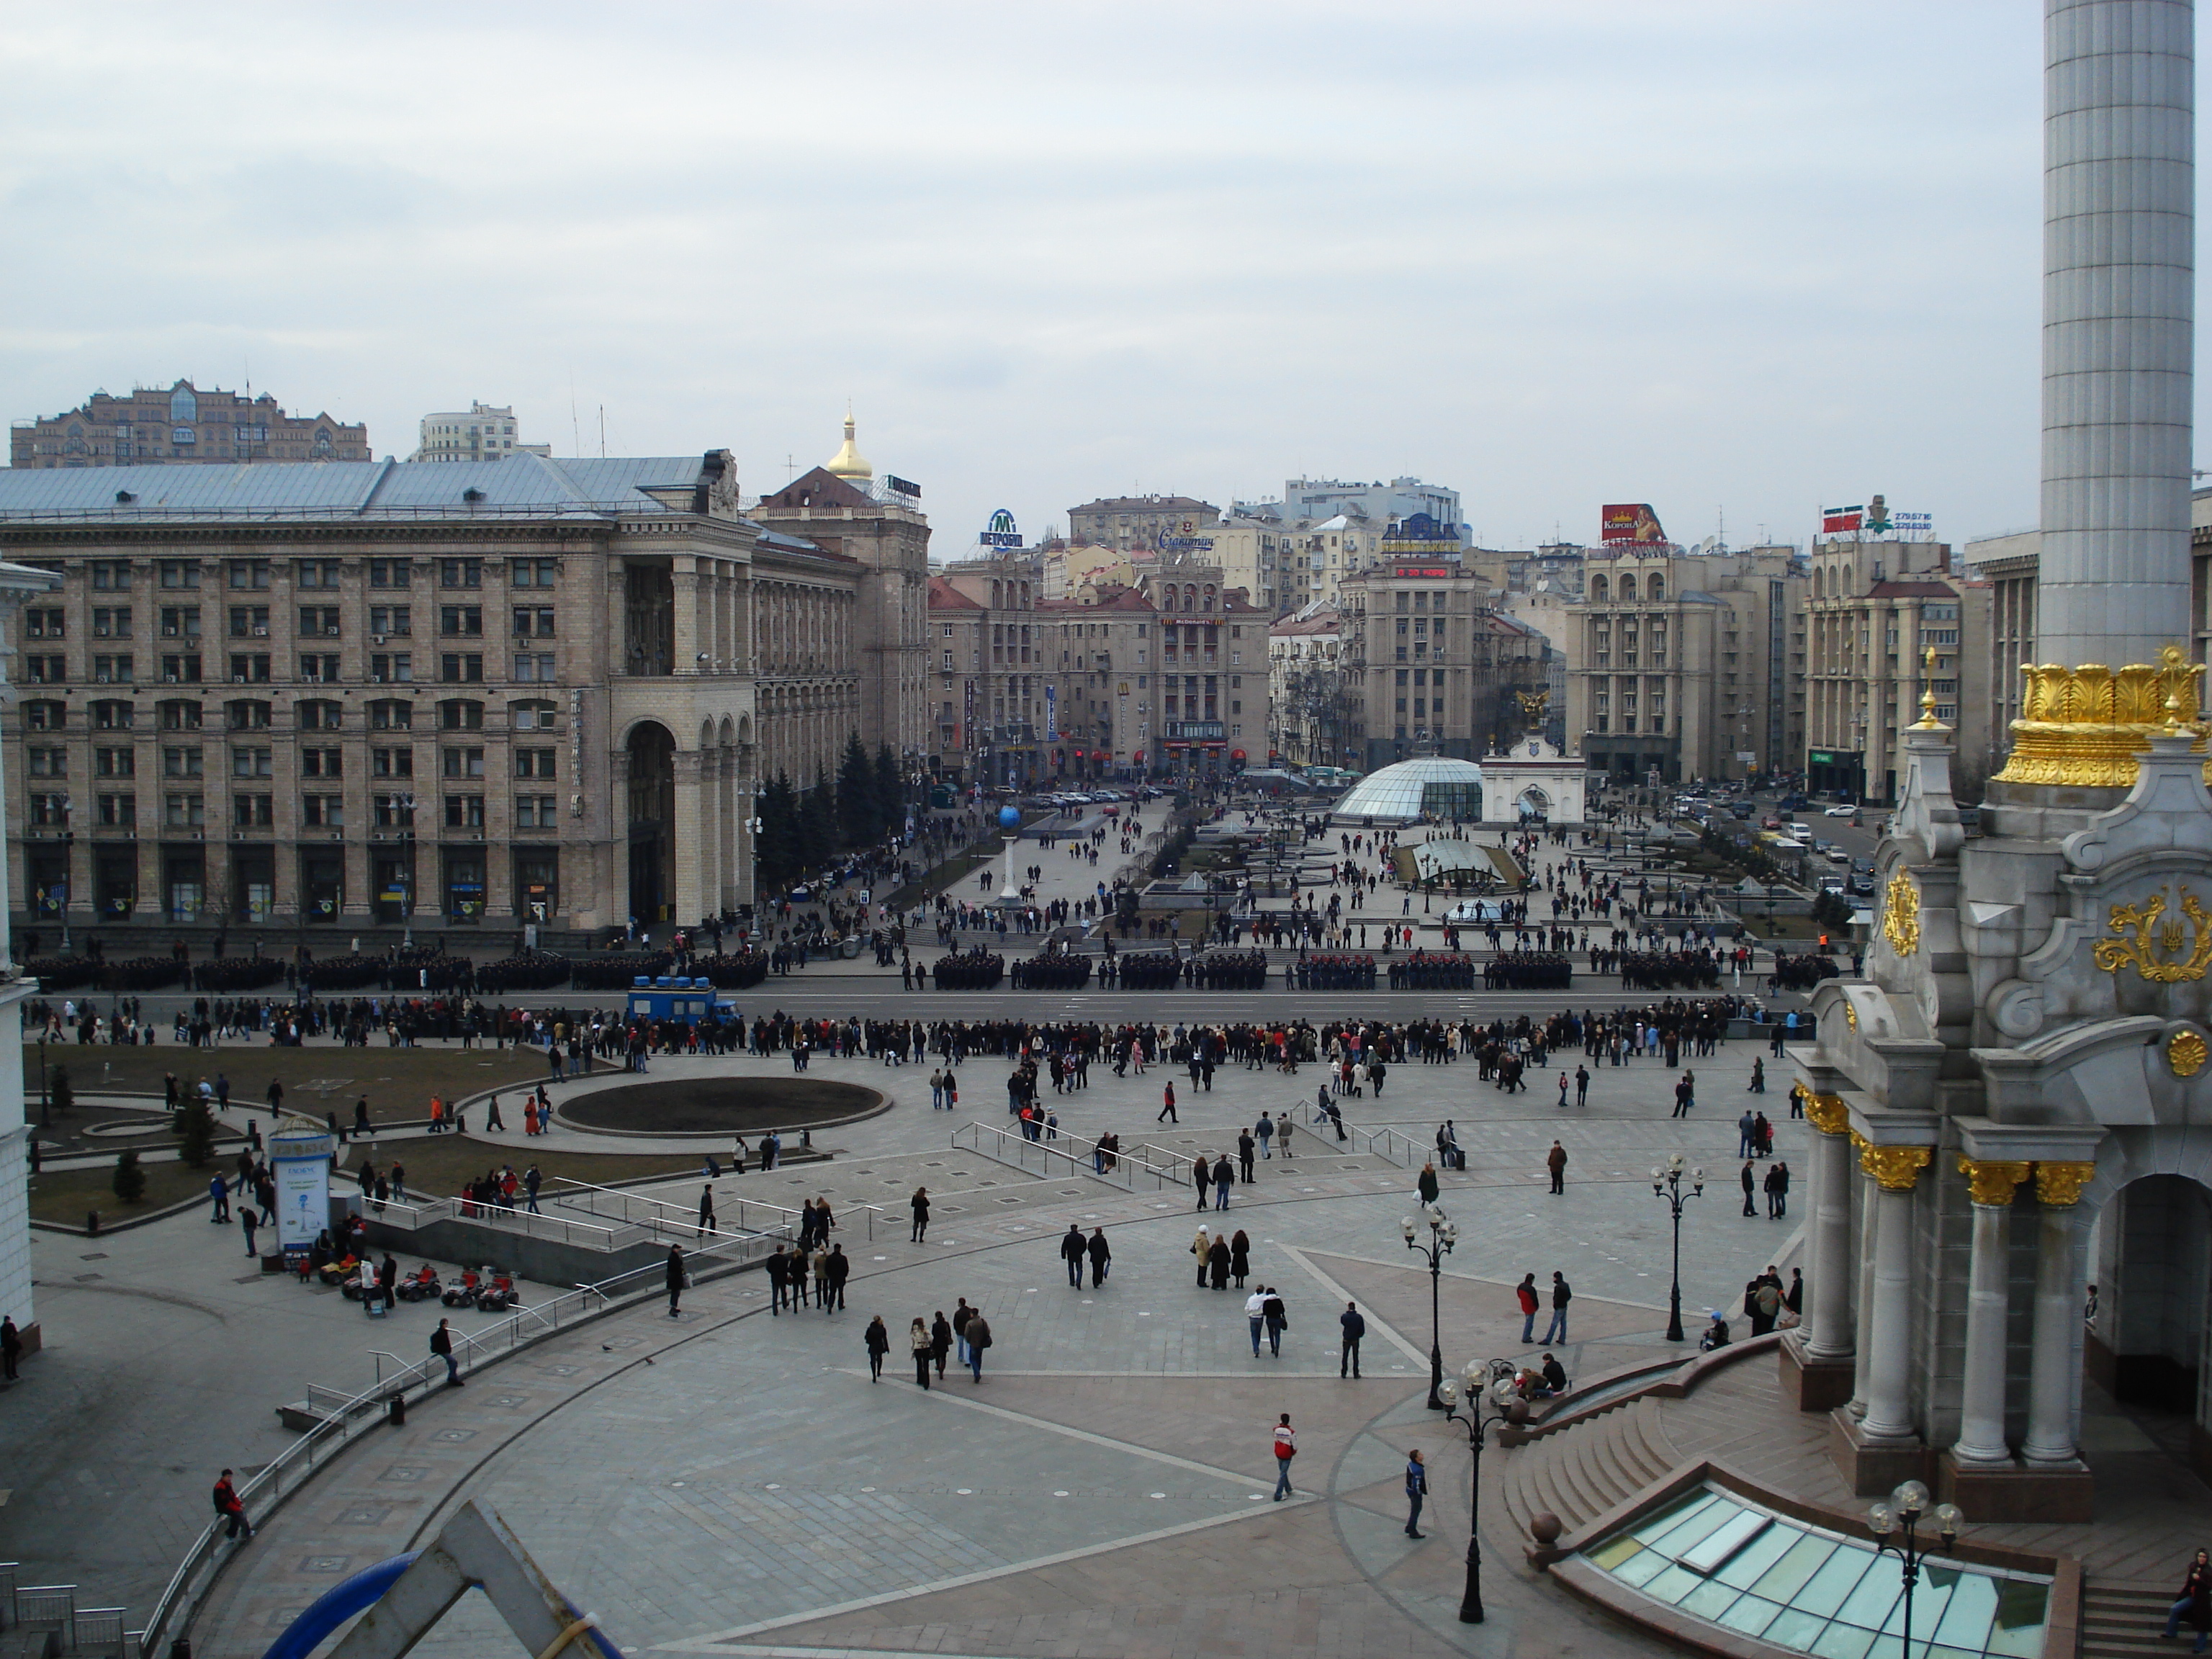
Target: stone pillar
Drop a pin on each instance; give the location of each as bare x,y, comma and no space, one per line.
1888,1353
687,847
1830,1291
1981,1425
2058,1315
1869,1198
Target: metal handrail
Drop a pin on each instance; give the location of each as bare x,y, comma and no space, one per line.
359,1411
1023,1148
413,1218
689,1222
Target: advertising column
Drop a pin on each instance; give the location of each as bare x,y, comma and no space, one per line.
299,1160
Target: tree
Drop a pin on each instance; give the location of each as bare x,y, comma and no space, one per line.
775,849
890,791
818,822
858,819
63,1096
195,1132
130,1180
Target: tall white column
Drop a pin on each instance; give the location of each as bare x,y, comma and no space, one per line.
1887,1358
1831,1336
2057,1316
1868,1196
2118,259
1981,1423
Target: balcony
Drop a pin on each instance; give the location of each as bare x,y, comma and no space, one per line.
1194,730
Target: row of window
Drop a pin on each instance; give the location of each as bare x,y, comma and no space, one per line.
242,714
314,668
182,621
43,761
109,575
119,811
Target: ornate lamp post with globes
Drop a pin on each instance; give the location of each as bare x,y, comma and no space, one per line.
1894,1526
1667,1183
1442,1234
1490,1382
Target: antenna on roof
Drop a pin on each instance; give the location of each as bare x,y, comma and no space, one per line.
576,431
603,432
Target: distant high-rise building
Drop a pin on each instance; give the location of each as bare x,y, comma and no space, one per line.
182,424
484,433
1168,523
1365,505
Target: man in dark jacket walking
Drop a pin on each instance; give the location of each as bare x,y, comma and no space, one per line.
838,1269
1101,1253
675,1277
1556,1162
1073,1251
1562,1293
1417,1488
1354,1328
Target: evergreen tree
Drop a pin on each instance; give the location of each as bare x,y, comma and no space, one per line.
130,1180
858,819
891,792
818,822
60,1092
777,850
195,1132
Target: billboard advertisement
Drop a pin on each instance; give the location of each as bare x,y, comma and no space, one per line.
1052,713
300,1161
1631,521
1842,520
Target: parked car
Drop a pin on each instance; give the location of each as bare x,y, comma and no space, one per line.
1844,811
1770,821
1862,884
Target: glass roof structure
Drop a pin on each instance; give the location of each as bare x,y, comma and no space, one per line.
1430,783
1719,1557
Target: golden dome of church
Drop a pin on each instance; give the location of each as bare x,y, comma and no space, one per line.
847,462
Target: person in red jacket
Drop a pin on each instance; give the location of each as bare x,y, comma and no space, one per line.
1526,1290
231,1507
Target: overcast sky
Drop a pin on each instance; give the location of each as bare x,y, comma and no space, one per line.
1745,257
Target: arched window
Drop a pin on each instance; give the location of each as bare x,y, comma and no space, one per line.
45,716
246,714
1627,589
182,406
1601,591
114,716
179,716
534,714
322,444
1189,597
460,714
320,715
998,595
1656,588
1209,596
391,715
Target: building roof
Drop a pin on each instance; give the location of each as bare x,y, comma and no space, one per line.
1144,504
273,491
1399,791
1323,621
944,596
1894,590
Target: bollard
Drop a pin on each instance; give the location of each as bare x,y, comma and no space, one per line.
181,1647
399,1412
91,1223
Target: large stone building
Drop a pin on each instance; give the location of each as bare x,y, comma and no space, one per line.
443,696
1874,611
1431,663
1685,663
482,432
181,424
1163,523
1309,700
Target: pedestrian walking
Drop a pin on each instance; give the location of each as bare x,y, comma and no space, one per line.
11,1349
1255,1315
961,1313
1348,1361
1286,1448
1581,1085
835,1271
1278,1321
1167,1105
919,1204
1758,1077
1217,1262
1530,1300
1556,1162
1778,1191
441,1344
229,1507
1201,1176
219,1193
879,1342
941,1342
1074,1251
1562,1293
676,1277
1417,1487
248,1220
1750,1186
1240,1257
778,1266
978,1338
925,1349
1199,1247
1248,1149
1426,1185
2194,1601
1101,1255
1224,1175
705,1211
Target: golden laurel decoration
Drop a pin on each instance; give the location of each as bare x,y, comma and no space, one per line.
2186,1053
1828,1114
1850,1017
2154,946
1897,1168
1900,914
2061,1183
2086,726
1991,1181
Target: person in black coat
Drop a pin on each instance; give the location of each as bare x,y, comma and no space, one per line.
879,1342
1074,1250
675,1277
840,1267
1217,1262
1355,1327
2194,1601
1101,1253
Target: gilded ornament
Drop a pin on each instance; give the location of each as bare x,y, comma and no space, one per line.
1900,914
2061,1183
2186,1053
1991,1181
2155,947
1850,1017
1896,1167
2085,726
1828,1114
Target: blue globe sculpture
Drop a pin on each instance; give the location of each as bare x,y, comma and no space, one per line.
1009,819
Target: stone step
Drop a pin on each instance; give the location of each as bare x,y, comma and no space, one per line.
2121,1621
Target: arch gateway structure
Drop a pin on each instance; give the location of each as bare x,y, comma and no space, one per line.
2012,1177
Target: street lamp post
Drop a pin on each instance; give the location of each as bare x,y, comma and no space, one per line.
1894,1525
1442,1234
1484,1381
1667,1183
45,1102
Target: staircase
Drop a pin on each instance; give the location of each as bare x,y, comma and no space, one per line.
43,1621
1581,1471
2122,1620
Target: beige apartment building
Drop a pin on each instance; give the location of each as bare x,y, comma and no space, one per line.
1688,665
1432,666
1163,523
436,696
483,432
180,425
1874,609
1309,700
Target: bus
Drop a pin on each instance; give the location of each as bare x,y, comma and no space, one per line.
674,997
